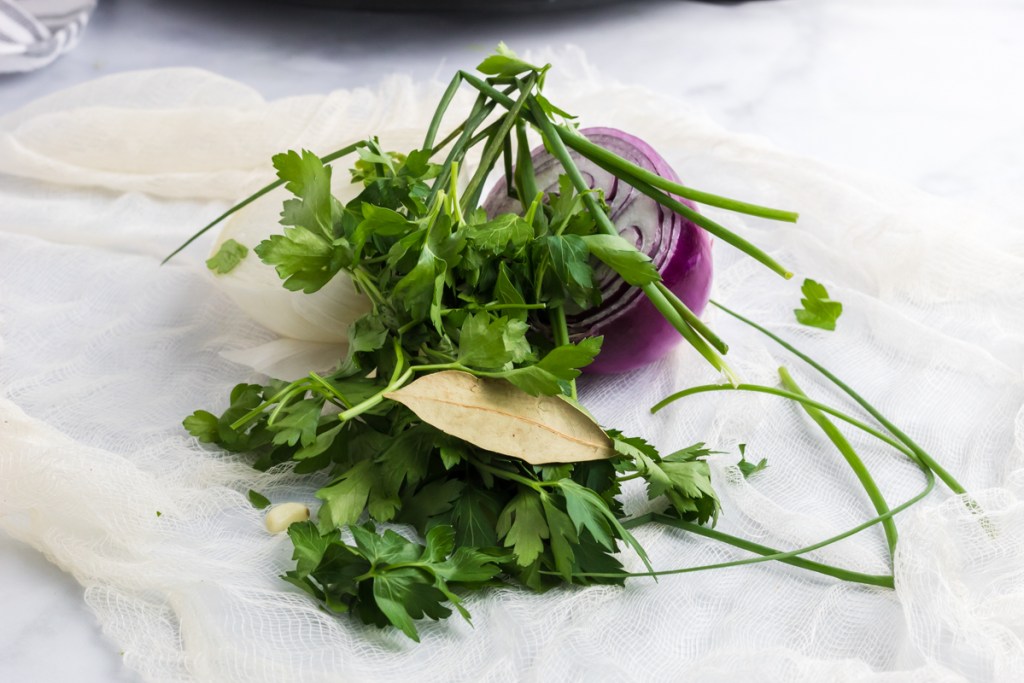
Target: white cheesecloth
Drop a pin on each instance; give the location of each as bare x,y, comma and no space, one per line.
103,352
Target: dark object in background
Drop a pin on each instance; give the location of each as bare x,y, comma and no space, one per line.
462,6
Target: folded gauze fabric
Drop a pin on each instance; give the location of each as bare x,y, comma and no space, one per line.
103,352
33,33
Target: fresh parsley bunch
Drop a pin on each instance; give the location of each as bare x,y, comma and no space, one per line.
466,350
451,290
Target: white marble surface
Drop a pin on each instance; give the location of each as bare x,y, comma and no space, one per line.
926,92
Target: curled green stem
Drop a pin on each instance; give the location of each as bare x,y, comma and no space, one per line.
851,457
919,452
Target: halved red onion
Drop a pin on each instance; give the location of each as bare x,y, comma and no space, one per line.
635,333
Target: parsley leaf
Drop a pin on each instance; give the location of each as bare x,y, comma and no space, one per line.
561,364
227,258
746,467
475,517
523,527
202,425
258,500
309,180
345,499
299,423
681,478
632,265
488,342
504,63
386,578
378,220
569,258
818,310
305,260
496,236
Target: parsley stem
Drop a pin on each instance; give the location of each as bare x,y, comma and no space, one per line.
428,351
366,283
919,452
373,401
435,367
297,391
258,410
344,151
332,392
537,486
854,460
560,331
454,208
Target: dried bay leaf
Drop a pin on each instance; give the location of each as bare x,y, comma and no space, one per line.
496,415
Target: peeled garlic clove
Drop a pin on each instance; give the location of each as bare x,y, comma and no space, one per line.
282,516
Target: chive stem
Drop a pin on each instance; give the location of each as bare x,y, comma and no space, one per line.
604,222
344,151
497,141
759,389
442,108
919,452
699,219
595,152
851,457
692,319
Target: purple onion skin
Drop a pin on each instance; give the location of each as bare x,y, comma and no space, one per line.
635,333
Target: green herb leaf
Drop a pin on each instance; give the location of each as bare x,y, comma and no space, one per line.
299,423
305,260
818,310
475,518
523,527
258,500
230,254
504,63
345,500
498,235
746,467
488,342
561,364
309,180
378,220
203,425
569,258
618,254
310,545
563,537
